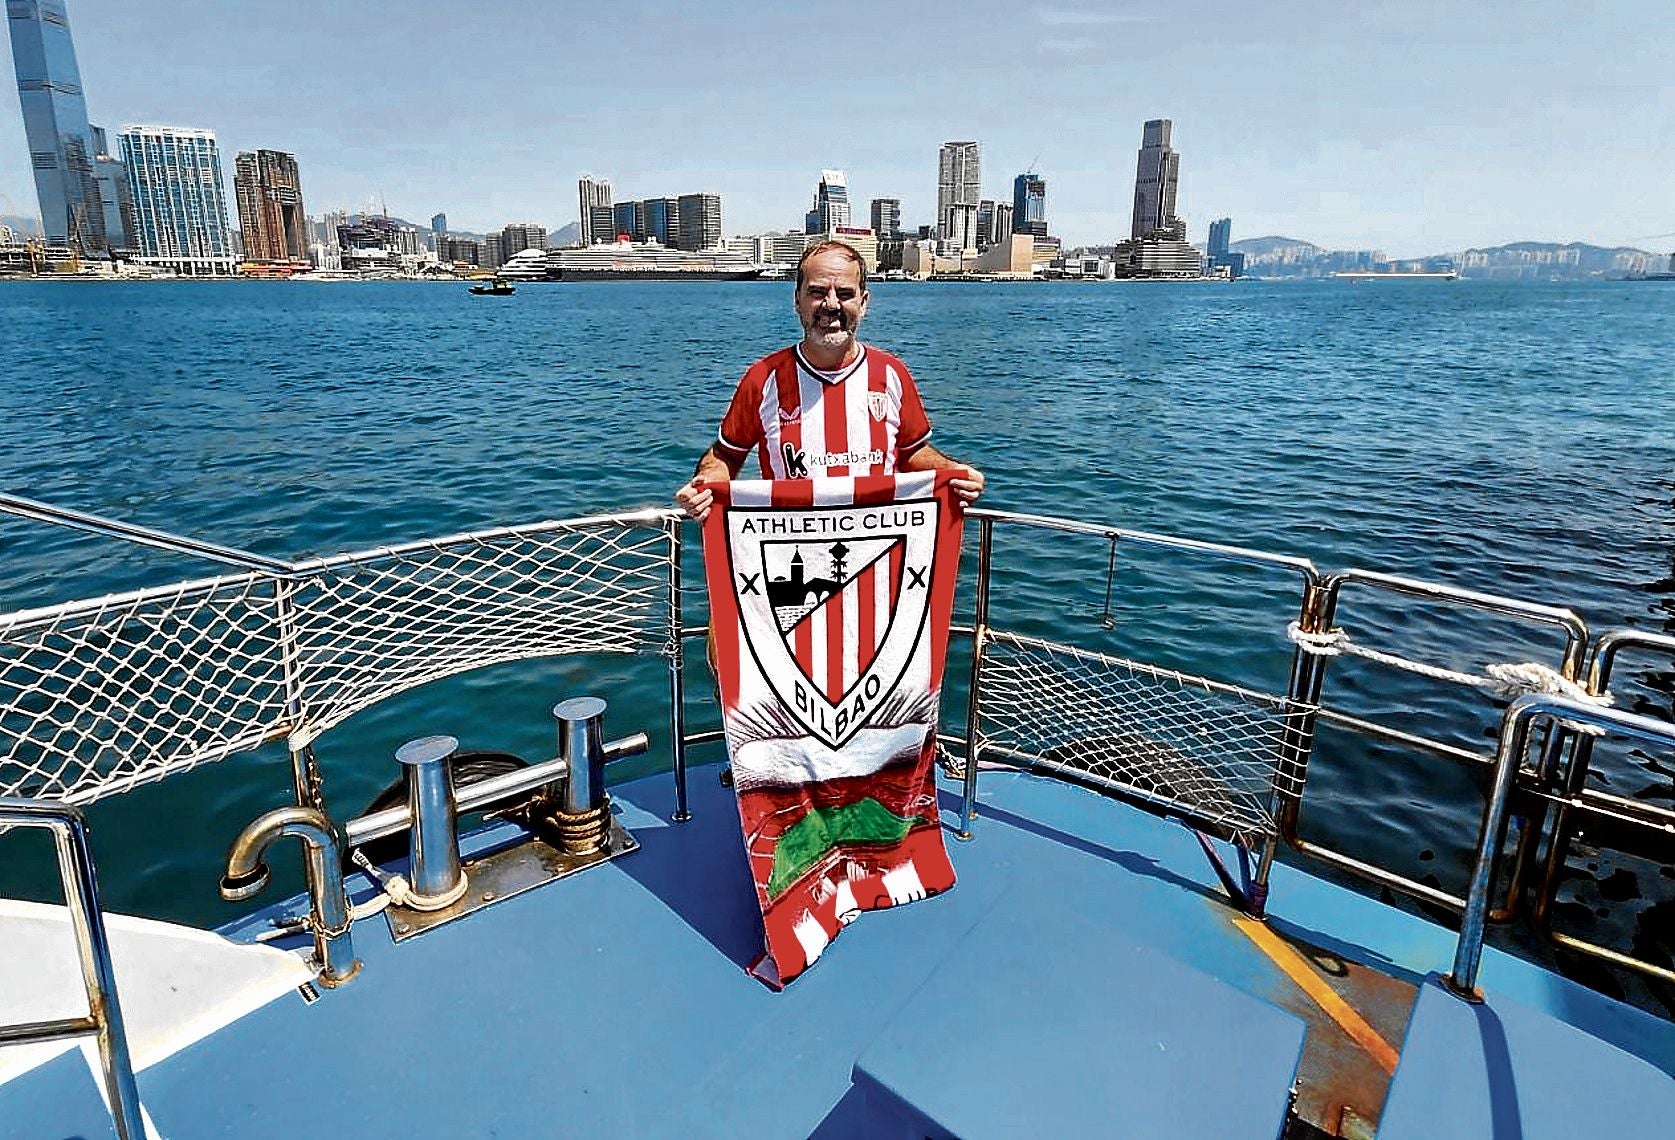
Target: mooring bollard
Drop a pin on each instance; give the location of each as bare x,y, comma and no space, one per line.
583,820
437,878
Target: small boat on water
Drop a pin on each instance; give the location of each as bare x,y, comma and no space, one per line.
1142,941
495,288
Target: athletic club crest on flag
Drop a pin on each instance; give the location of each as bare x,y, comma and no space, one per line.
830,601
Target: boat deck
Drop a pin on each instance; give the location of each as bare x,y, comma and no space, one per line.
1085,977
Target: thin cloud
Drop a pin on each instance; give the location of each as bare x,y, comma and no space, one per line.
1082,18
1068,47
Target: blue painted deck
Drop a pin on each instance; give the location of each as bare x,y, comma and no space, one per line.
1504,1071
617,999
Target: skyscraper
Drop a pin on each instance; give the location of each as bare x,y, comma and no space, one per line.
592,193
985,223
1219,254
1221,233
520,236
1029,205
55,124
623,215
1158,247
886,218
439,235
268,190
700,221
663,221
174,175
1155,181
112,178
958,178
831,204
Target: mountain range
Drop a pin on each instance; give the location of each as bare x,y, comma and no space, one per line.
1275,256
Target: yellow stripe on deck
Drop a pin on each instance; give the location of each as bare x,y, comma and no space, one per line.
1297,968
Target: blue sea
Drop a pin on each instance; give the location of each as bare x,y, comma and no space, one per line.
1513,438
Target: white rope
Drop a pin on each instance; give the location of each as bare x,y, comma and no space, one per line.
1502,678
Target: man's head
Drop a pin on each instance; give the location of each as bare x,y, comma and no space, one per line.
831,299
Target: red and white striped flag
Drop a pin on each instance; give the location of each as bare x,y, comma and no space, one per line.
829,605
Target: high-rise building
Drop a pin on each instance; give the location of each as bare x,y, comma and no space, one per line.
491,254
622,221
1218,252
1221,233
663,221
180,206
700,221
520,236
439,235
886,218
601,224
831,204
593,193
958,182
1158,245
1003,222
112,178
1155,180
268,190
985,223
1029,204
61,148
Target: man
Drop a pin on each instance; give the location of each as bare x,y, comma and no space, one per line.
828,405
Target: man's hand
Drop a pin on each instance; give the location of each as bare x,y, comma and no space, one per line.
969,485
695,499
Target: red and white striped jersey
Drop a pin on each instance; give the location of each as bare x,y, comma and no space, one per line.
807,424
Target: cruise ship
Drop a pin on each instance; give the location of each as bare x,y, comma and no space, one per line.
630,261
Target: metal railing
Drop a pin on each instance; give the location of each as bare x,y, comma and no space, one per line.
1513,745
314,627
104,1011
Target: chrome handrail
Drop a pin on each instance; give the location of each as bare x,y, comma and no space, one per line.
104,1010
1513,743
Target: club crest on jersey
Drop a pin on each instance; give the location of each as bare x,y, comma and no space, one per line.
878,404
833,602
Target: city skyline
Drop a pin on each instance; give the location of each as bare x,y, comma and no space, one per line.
1379,127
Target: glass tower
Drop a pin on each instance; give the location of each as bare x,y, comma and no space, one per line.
1029,205
174,177
1156,176
831,204
61,149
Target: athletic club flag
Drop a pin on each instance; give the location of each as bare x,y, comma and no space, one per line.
829,602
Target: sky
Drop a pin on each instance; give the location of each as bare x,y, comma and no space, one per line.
1411,126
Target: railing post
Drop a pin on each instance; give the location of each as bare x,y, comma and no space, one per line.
979,636
81,898
677,672
1514,741
305,770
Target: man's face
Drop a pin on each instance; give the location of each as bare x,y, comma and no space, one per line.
831,300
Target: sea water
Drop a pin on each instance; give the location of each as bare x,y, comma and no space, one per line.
1512,438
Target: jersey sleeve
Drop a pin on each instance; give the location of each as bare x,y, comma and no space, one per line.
741,427
915,428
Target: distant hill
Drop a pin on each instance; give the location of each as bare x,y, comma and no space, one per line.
26,226
1266,247
566,235
1522,260
1553,261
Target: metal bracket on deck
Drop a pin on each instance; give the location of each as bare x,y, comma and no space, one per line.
506,873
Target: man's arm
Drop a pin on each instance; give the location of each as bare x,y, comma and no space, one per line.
714,466
927,458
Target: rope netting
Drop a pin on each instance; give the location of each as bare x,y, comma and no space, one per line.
96,697
1208,749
